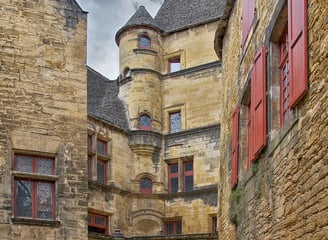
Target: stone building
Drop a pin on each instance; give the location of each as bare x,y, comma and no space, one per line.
274,165
215,128
43,115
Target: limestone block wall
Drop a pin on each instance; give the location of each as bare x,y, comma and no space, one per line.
192,93
43,110
282,196
195,46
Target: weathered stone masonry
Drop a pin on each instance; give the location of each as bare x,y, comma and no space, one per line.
43,109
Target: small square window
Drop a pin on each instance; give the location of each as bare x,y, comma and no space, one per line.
97,223
172,228
144,42
174,65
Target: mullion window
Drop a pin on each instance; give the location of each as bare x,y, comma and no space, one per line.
188,177
173,178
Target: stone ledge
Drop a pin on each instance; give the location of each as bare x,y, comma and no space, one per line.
202,236
36,222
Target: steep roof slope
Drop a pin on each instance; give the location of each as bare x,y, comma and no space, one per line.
140,18
179,14
103,100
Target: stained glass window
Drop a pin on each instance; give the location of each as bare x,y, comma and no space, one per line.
34,198
175,122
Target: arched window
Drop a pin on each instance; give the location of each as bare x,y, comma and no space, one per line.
146,186
127,72
145,122
144,42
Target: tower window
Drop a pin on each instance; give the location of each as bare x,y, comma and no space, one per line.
144,42
145,122
127,72
146,186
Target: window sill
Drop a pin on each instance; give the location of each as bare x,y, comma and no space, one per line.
35,176
36,222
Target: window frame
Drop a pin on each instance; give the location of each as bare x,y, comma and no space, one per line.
34,177
176,227
93,224
145,127
171,176
140,41
187,174
171,130
146,190
174,60
214,223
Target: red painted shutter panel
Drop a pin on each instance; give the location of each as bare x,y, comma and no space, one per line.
245,20
297,32
258,103
235,137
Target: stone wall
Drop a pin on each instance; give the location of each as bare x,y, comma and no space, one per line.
43,110
282,195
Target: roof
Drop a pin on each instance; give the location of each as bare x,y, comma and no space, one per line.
176,15
103,100
140,18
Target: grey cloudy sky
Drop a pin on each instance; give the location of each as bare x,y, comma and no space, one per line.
105,17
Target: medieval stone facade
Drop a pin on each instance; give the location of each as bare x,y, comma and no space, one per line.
281,192
216,127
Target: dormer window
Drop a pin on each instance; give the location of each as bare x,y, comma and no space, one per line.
144,42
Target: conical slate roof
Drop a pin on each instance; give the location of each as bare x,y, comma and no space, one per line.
140,18
176,15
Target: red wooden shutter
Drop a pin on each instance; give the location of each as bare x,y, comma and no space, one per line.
235,134
258,104
297,32
244,21
248,10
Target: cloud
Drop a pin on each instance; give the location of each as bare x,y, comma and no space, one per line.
105,18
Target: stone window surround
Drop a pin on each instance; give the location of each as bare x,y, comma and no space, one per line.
179,54
94,157
180,161
51,178
172,109
173,220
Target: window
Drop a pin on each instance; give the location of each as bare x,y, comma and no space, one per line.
172,228
126,72
146,186
173,178
284,78
181,172
97,223
188,177
98,159
34,194
144,42
174,65
145,122
248,14
175,122
214,225
289,63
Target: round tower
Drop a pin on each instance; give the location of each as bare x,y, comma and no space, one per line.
139,42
